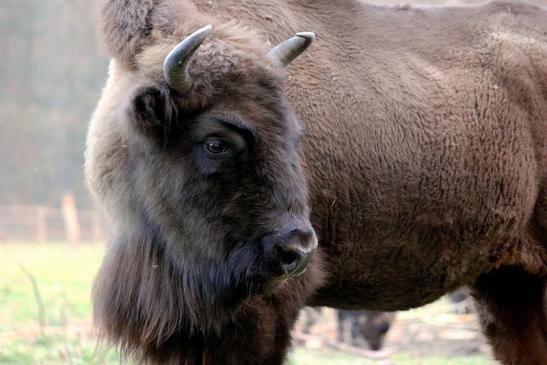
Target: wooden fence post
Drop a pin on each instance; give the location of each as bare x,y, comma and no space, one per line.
70,216
41,227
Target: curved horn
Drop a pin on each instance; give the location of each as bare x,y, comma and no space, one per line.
174,66
288,50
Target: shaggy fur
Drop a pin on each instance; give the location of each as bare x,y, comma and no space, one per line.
423,168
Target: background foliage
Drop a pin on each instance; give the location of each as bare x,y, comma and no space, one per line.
50,81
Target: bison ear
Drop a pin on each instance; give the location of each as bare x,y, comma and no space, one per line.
153,114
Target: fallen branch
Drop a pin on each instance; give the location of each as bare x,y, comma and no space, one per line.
374,355
38,297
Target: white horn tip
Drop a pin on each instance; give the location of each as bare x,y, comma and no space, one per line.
203,32
208,28
310,36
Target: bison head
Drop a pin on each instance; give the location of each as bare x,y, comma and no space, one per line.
194,154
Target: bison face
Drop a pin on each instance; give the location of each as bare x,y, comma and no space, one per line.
212,192
223,188
375,328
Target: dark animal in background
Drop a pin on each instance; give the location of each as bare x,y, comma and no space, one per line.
357,328
412,141
461,302
370,327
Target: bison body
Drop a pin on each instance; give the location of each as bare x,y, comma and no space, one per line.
423,167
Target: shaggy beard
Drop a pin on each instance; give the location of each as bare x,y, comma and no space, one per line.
142,300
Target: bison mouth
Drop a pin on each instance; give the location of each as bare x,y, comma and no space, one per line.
256,267
143,296
213,292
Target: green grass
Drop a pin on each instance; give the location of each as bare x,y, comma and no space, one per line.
64,277
302,356
457,360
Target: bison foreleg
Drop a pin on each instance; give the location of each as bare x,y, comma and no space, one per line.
512,305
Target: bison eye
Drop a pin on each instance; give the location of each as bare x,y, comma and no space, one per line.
215,146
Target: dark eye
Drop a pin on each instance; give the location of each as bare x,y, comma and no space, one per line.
384,327
215,146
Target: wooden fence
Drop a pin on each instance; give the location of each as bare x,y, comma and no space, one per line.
44,224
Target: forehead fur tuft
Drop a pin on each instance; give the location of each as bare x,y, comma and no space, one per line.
129,28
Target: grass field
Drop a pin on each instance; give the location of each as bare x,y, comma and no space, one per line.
62,333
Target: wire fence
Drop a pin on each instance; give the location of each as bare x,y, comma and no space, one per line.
45,224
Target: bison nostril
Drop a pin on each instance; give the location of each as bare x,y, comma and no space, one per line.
292,259
288,256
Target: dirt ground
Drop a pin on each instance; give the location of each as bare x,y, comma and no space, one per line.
433,330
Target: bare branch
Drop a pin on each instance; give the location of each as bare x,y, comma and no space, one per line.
38,297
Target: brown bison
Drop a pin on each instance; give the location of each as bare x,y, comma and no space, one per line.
411,141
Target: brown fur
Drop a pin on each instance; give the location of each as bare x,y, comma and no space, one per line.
425,158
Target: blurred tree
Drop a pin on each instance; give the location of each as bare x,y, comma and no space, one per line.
49,84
